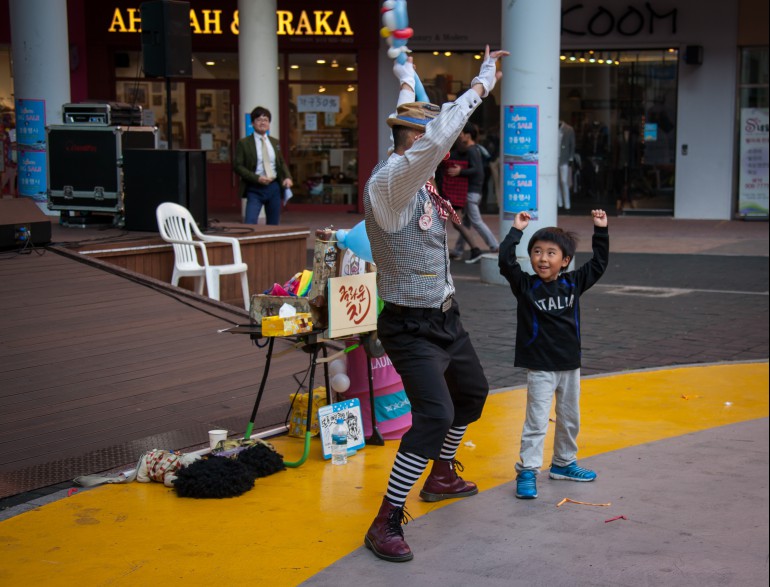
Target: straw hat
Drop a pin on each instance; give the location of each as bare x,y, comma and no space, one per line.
414,115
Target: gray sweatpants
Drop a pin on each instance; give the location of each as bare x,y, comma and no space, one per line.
541,387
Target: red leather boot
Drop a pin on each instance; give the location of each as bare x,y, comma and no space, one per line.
385,537
444,482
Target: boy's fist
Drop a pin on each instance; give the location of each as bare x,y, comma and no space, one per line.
600,217
521,220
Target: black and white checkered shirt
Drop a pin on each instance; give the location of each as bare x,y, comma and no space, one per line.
412,263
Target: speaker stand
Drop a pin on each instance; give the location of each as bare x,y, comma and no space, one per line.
169,136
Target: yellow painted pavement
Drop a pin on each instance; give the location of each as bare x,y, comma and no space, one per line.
295,523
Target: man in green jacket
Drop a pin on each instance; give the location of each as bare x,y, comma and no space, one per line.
262,169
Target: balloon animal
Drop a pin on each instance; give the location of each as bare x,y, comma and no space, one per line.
396,32
357,241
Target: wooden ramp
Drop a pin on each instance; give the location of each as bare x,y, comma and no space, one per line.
99,364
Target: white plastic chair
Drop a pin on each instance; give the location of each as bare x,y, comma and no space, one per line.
177,226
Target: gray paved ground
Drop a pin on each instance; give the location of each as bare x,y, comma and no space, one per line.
679,496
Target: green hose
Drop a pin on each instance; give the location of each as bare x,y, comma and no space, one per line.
305,454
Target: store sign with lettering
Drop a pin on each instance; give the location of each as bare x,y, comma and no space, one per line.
625,20
305,23
318,103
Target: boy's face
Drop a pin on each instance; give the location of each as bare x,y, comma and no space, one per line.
547,260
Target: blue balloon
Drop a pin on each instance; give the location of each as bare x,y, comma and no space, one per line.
357,241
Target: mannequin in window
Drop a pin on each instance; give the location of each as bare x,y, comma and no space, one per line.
566,157
594,149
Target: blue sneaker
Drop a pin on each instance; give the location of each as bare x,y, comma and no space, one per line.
526,485
571,473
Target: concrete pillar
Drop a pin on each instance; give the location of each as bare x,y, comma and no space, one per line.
41,79
531,32
258,60
41,67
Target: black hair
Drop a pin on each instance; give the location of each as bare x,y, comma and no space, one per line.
566,241
260,111
471,129
401,135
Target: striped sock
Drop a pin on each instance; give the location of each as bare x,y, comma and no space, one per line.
407,469
452,442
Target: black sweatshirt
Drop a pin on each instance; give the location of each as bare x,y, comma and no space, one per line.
548,314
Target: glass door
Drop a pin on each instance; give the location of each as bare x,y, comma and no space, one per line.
212,129
622,106
322,92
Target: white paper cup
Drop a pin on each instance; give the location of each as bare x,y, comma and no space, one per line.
215,436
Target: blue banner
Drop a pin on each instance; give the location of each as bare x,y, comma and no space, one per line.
32,174
520,125
519,189
30,123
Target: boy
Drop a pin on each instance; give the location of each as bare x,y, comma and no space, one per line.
548,342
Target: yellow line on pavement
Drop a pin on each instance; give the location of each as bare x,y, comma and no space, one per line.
297,522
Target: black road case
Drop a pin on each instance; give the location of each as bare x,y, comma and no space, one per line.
84,164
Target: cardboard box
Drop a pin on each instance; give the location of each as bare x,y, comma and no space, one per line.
277,326
264,305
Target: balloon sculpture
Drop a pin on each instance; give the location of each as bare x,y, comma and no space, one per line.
357,241
396,31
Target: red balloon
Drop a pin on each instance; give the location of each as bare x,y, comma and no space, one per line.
403,33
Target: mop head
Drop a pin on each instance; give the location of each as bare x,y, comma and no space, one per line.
213,477
229,472
261,460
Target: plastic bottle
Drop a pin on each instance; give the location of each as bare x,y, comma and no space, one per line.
340,442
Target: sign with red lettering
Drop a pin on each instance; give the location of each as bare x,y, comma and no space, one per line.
352,304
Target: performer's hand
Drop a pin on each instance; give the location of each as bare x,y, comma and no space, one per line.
488,74
405,73
521,220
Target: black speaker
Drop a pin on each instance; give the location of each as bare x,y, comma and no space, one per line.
693,54
166,38
22,222
151,177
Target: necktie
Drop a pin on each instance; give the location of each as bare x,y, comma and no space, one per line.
443,206
266,160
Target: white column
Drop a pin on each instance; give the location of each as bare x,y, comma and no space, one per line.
531,32
258,59
41,80
40,46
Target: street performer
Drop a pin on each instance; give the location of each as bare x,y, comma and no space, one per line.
420,325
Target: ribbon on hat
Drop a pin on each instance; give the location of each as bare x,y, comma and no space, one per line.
443,206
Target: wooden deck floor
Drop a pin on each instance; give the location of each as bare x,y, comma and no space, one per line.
98,365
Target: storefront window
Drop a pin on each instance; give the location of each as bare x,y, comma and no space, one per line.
6,81
8,158
753,122
133,88
323,127
447,74
622,106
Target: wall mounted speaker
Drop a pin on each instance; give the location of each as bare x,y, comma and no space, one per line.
693,54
